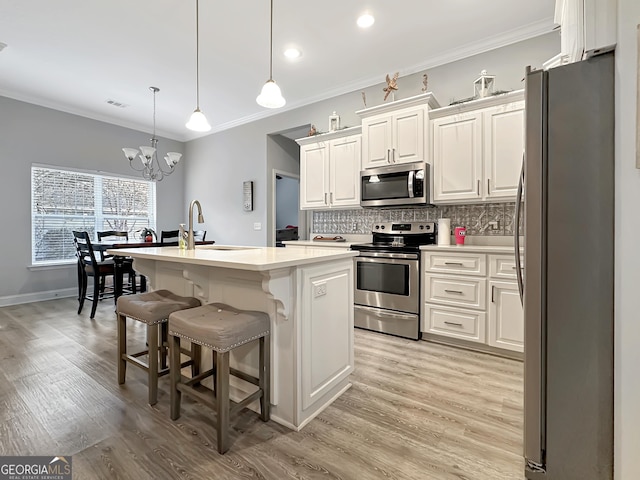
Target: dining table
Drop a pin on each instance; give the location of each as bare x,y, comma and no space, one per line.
119,260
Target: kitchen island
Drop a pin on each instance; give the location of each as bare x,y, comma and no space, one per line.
308,294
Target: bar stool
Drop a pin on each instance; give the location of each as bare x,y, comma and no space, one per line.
152,308
221,328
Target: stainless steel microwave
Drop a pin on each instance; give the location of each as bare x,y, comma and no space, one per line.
395,185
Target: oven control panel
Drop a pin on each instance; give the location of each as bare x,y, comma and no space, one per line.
406,228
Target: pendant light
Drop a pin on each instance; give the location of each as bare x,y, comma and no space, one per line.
271,96
198,122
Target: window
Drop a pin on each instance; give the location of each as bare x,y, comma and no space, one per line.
67,200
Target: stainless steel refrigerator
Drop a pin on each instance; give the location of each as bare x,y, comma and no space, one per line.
568,275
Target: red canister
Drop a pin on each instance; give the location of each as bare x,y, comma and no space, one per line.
460,232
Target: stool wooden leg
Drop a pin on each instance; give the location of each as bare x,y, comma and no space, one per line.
265,378
152,338
196,356
222,400
174,375
164,326
122,348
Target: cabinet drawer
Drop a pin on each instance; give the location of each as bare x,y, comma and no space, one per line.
454,322
464,263
455,291
502,266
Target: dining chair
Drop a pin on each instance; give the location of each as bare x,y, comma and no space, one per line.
169,236
127,265
90,266
110,234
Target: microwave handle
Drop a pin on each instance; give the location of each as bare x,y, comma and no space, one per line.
410,179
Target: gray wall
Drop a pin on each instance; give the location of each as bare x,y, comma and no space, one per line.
220,162
32,134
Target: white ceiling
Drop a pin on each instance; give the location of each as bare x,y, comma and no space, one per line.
74,55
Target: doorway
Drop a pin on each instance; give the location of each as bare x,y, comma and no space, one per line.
287,212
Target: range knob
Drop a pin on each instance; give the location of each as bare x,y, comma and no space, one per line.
382,227
377,227
421,227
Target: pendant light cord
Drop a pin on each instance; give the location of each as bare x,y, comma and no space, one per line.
271,45
198,58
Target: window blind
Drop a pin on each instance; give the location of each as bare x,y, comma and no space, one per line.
67,200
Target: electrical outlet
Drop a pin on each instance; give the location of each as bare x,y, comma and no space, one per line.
257,226
319,289
494,225
354,227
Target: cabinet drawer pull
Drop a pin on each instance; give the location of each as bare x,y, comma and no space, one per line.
325,198
488,185
454,291
453,323
478,187
458,264
393,155
388,155
331,198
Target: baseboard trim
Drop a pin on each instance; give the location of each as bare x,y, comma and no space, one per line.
38,296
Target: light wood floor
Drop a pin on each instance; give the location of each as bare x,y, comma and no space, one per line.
416,411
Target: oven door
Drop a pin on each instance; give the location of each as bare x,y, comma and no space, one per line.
388,280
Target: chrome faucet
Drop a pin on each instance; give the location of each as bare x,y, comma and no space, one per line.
191,244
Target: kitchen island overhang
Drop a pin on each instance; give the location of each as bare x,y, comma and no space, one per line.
308,294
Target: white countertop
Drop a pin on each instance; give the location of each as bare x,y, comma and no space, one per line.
499,249
237,257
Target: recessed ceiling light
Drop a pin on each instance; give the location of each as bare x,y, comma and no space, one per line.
292,53
365,21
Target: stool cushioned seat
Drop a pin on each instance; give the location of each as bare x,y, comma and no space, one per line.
218,326
154,307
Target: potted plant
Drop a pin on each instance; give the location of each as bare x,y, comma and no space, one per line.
148,234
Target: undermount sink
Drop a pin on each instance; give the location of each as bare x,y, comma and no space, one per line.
223,247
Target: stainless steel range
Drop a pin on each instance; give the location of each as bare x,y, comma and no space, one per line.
387,280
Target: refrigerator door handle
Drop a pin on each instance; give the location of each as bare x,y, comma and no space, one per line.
516,233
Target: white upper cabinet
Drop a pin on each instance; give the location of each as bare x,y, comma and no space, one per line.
314,176
503,149
330,170
344,171
457,157
477,149
395,132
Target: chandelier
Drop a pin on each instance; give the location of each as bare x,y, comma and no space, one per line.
151,166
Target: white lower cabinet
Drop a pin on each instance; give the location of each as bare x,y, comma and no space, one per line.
506,319
484,308
455,322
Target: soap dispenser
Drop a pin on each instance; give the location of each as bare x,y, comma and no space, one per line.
182,237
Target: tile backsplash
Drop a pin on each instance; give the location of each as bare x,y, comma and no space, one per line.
476,218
